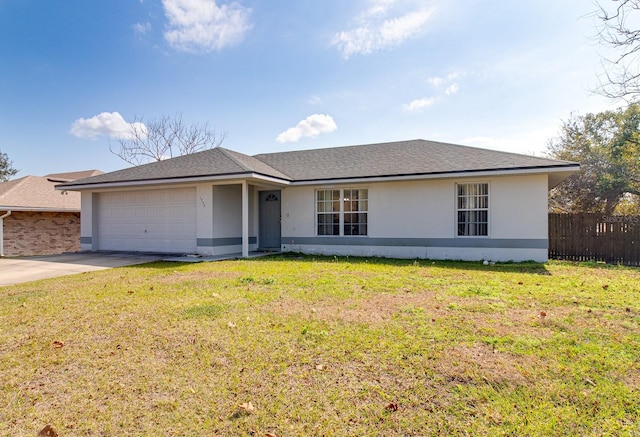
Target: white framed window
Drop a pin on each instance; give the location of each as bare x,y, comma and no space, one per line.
472,209
342,212
328,212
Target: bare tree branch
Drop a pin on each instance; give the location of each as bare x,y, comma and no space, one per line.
620,77
163,138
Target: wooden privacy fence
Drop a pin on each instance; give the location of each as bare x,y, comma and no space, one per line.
595,237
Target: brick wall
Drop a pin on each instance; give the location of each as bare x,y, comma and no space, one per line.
41,233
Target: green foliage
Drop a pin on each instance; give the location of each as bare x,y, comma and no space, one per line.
607,146
6,167
208,311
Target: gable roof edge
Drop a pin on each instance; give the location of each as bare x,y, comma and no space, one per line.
229,155
443,175
167,181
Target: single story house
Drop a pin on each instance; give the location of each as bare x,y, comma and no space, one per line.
37,219
407,199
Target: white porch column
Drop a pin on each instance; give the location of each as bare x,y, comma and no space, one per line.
245,219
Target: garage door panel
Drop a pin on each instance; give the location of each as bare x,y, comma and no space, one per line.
154,220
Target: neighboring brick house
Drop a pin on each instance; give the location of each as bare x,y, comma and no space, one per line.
36,219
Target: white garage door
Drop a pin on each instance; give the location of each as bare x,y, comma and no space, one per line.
148,220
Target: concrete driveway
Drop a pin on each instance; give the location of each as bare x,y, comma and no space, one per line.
17,270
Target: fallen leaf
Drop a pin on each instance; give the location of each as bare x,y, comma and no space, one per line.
392,406
231,325
48,431
319,367
604,287
543,314
58,344
268,434
247,407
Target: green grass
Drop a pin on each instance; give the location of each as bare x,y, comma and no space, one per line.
324,346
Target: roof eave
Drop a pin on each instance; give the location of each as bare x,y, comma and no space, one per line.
559,172
567,169
174,180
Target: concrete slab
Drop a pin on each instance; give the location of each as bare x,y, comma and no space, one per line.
18,270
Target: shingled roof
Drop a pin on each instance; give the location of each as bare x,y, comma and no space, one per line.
72,176
38,193
404,158
212,162
414,158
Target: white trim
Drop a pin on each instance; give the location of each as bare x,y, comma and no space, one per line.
341,212
245,219
461,174
2,217
249,177
457,210
252,177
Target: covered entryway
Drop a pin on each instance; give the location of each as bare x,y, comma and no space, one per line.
148,220
270,228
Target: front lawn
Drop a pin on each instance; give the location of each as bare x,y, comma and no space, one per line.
303,346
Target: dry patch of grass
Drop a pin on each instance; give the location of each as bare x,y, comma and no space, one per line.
324,346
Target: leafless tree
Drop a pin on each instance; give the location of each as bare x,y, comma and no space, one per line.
619,29
163,138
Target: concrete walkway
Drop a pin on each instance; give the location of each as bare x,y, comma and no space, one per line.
33,268
18,270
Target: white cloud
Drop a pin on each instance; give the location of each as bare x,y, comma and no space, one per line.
108,124
142,28
312,126
420,104
203,26
315,100
451,89
528,141
377,31
435,81
379,7
396,30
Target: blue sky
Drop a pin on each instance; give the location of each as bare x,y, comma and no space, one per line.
286,75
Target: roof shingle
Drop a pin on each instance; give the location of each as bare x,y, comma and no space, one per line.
211,162
39,193
402,158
